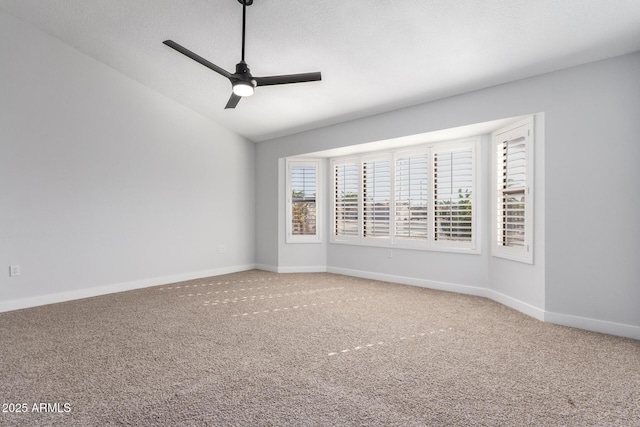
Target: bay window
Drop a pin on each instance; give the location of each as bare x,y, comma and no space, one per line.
419,198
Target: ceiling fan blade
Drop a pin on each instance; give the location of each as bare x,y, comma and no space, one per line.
197,58
233,101
289,78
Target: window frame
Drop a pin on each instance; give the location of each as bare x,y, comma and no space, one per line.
394,241
308,238
523,128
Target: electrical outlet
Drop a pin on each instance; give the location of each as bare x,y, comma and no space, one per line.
222,249
389,253
14,270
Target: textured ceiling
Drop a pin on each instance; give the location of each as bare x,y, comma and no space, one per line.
374,56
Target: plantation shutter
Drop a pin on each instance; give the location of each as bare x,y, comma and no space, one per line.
453,195
346,190
376,188
303,200
512,182
513,195
415,198
411,196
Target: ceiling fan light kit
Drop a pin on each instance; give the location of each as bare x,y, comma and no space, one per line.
242,82
241,88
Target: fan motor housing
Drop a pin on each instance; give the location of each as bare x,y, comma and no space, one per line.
243,72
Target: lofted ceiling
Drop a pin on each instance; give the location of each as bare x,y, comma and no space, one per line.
374,55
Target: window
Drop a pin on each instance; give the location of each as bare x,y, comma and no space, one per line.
513,192
411,196
376,193
302,204
422,198
346,199
453,195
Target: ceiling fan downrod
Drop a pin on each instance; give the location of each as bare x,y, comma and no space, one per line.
245,3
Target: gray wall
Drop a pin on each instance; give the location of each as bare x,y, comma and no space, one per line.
593,192
586,270
106,184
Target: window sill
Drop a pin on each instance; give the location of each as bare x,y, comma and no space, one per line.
409,246
304,240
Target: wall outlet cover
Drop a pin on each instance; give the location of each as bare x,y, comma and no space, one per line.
14,270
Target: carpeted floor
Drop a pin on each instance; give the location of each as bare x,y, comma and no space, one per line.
266,349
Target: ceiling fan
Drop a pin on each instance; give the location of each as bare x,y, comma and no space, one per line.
242,82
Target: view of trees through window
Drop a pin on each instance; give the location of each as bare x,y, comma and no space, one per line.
453,186
303,200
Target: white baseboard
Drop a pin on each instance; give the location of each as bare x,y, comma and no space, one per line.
305,269
595,325
619,329
265,267
35,301
431,284
302,269
523,307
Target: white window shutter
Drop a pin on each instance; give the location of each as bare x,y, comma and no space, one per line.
513,192
376,192
303,199
453,194
346,199
412,196
418,198
304,213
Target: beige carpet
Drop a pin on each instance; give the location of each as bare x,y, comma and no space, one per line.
262,349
